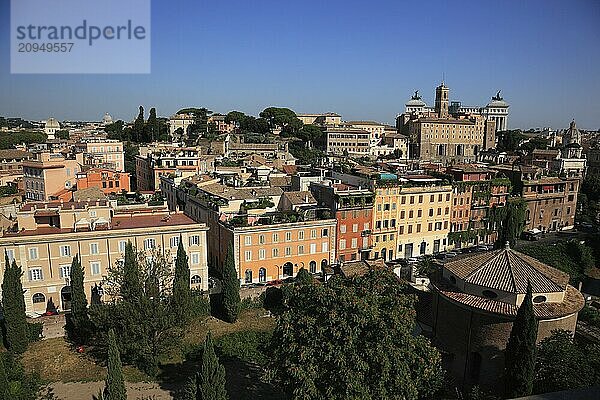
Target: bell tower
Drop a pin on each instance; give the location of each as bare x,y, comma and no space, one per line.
441,101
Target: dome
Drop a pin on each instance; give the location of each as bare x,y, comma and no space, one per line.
107,119
52,123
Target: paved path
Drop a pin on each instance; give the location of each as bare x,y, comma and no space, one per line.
87,391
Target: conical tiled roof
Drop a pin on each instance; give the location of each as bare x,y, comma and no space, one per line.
509,271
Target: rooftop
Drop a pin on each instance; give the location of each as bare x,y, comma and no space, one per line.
507,270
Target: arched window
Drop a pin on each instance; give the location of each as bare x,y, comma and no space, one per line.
288,269
39,298
312,267
262,275
196,279
248,278
323,264
383,253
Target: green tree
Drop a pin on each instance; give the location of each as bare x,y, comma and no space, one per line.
114,388
512,222
152,127
560,364
282,117
361,326
231,288
63,134
131,287
13,302
310,134
510,140
188,391
211,379
519,357
4,384
138,127
78,321
182,293
304,277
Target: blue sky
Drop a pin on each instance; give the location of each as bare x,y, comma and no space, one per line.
360,59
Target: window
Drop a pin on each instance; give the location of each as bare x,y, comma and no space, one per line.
288,236
149,244
10,253
261,254
123,243
419,213
95,267
342,244
325,232
313,248
248,276
355,228
33,253
65,251
195,258
194,240
300,249
403,201
539,299
288,251
313,233
354,243
411,214
276,238
64,271
300,235
174,241
402,214
93,248
196,279
262,275
248,240
420,198
275,253
248,255
377,224
35,274
342,228
324,247
386,207
431,212
38,298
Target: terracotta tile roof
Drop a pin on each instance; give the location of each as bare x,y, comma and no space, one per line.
507,270
9,154
303,197
280,181
572,303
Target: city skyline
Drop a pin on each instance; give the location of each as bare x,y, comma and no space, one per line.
361,63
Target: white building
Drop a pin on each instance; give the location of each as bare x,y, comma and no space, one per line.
51,127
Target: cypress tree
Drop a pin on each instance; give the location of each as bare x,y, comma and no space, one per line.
114,388
152,129
519,357
138,126
131,288
231,288
211,380
14,308
79,319
182,294
4,384
188,391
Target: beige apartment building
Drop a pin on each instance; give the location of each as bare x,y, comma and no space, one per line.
51,234
375,129
348,141
329,119
411,217
50,173
103,153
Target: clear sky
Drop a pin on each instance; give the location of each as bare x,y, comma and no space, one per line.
362,60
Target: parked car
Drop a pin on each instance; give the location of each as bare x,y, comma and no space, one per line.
530,236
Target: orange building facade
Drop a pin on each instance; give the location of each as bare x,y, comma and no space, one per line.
107,180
